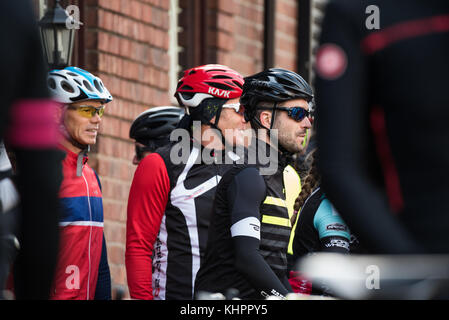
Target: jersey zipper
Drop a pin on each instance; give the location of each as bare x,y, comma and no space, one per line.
90,237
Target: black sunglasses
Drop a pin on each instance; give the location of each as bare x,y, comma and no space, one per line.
296,113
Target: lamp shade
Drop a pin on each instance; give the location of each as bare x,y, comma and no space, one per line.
57,38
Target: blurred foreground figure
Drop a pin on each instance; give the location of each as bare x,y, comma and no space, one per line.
29,129
382,121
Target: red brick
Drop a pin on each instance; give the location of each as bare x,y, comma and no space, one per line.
116,254
285,44
228,6
147,14
114,210
286,8
115,232
113,5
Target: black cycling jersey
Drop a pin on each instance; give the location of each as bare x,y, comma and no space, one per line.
382,121
184,229
169,208
248,235
319,228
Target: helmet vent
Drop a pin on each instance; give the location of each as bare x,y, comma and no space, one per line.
87,85
67,87
216,70
97,85
237,84
52,83
219,86
187,95
284,82
221,77
186,87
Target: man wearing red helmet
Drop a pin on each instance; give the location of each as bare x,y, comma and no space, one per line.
170,202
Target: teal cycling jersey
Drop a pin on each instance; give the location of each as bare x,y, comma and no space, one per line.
319,227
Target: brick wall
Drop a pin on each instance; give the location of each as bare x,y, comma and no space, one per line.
127,46
125,42
236,33
286,34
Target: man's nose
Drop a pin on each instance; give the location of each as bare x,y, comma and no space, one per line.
96,118
307,122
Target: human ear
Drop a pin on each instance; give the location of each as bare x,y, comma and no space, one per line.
265,119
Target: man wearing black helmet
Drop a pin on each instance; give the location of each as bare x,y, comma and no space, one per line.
151,129
250,227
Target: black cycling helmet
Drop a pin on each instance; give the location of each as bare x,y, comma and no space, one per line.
155,123
273,85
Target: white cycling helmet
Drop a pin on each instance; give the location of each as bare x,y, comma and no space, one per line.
74,84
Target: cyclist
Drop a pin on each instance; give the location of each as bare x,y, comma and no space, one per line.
28,129
318,228
250,224
151,129
170,201
382,132
83,270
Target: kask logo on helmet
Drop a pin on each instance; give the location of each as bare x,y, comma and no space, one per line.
219,93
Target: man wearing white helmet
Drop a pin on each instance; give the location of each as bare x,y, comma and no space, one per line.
82,271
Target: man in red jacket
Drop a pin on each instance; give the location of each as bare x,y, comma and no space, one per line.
82,271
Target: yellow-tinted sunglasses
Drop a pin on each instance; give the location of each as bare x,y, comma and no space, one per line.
89,111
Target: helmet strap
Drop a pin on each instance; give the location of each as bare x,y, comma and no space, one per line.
273,114
215,124
80,161
257,120
284,152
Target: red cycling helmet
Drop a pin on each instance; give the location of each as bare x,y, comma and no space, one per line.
208,81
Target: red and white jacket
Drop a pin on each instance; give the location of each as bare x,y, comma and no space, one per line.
81,232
